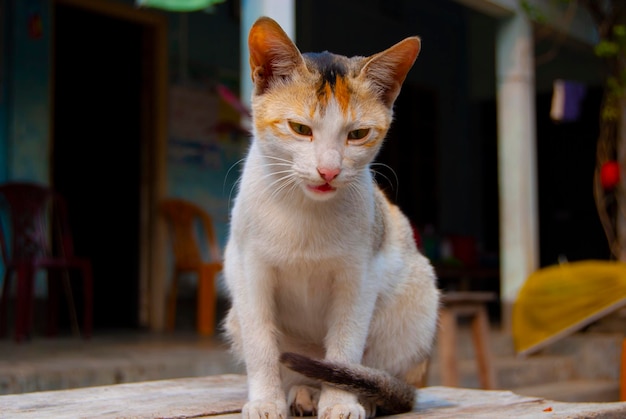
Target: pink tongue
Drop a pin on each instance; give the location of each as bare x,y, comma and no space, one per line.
325,187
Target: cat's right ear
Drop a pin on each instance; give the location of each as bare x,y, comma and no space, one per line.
272,54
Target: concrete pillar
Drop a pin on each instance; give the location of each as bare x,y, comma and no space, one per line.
282,11
519,245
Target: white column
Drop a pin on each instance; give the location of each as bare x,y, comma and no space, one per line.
282,11
517,172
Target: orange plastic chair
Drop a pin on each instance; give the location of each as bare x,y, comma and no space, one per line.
182,218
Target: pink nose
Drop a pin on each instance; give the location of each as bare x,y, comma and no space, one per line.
328,174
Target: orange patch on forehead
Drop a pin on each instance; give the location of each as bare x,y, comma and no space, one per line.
342,94
337,88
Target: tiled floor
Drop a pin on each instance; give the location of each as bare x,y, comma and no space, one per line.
51,364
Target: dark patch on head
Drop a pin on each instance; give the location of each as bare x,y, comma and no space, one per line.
330,67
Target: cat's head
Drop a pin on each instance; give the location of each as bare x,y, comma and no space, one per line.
320,118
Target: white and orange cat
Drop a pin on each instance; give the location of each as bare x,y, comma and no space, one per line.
334,310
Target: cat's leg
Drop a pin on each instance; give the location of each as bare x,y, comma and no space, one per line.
352,305
252,291
403,328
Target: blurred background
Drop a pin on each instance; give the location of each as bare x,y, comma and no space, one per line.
117,105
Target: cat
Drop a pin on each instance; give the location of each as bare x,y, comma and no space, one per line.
334,310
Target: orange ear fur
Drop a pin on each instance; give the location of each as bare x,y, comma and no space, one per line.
272,53
388,69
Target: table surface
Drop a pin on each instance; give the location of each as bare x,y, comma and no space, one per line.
221,397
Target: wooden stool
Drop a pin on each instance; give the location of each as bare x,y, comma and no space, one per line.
471,304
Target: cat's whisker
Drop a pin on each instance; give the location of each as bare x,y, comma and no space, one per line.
291,183
286,181
278,159
377,172
272,174
356,192
235,184
237,163
293,187
288,176
278,171
230,194
285,178
276,164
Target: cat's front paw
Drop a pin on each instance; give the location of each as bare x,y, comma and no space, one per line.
264,409
343,411
302,400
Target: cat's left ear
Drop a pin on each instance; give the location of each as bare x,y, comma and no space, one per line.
272,54
388,69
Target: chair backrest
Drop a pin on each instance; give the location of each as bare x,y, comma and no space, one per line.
182,218
30,210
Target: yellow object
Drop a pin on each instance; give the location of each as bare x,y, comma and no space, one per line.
559,300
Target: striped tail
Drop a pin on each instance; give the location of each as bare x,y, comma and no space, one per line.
391,395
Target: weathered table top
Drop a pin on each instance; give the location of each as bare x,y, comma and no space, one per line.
222,396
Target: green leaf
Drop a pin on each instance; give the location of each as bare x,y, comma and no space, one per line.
606,49
179,5
533,12
619,31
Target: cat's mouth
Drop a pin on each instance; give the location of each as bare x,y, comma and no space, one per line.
322,189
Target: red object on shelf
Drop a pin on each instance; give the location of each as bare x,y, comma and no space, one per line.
35,26
609,174
464,249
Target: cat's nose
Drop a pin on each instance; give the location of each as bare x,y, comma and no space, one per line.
328,174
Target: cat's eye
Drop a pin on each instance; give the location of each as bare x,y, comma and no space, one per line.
300,129
358,134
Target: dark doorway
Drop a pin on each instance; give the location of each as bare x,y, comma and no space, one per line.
411,156
569,225
96,151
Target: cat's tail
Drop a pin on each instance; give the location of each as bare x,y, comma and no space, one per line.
390,394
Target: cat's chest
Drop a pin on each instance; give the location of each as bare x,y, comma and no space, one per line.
292,234
302,300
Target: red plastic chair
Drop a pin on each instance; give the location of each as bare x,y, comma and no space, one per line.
33,214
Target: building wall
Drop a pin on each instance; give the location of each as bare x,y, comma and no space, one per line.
4,91
27,131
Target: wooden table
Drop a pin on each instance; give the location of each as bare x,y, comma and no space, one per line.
221,397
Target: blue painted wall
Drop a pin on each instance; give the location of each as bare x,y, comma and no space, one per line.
4,88
25,94
29,107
